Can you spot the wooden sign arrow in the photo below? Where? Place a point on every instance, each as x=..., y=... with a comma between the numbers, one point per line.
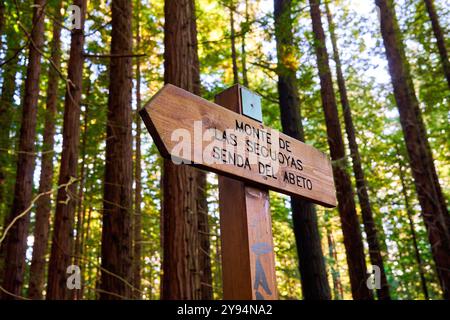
x=191, y=130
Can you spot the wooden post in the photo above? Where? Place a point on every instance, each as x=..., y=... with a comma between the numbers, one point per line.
x=248, y=259
x=246, y=228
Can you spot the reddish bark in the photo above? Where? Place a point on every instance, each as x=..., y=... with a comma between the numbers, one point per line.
x=2, y=19
x=180, y=217
x=232, y=8
x=137, y=224
x=43, y=206
x=346, y=203
x=16, y=240
x=409, y=213
x=62, y=239
x=361, y=185
x=81, y=207
x=6, y=160
x=311, y=263
x=204, y=257
x=117, y=234
x=434, y=208
x=6, y=114
x=245, y=27
x=439, y=35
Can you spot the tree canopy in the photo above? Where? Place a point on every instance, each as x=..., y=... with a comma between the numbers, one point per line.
x=89, y=179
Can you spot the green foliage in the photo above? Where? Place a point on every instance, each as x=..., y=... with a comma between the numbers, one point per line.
x=374, y=114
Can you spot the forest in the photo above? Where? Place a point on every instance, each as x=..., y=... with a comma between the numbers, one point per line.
x=90, y=210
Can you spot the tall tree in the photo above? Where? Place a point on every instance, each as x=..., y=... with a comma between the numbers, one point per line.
x=181, y=268
x=245, y=28
x=204, y=257
x=361, y=185
x=431, y=199
x=204, y=254
x=346, y=202
x=137, y=221
x=232, y=8
x=16, y=239
x=43, y=205
x=439, y=34
x=10, y=71
x=9, y=75
x=2, y=20
x=62, y=239
x=409, y=213
x=81, y=206
x=338, y=291
x=311, y=262
x=117, y=236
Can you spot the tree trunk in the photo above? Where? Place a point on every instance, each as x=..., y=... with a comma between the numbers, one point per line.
x=437, y=30
x=233, y=43
x=6, y=114
x=218, y=261
x=361, y=185
x=244, y=30
x=434, y=209
x=137, y=224
x=204, y=256
x=86, y=263
x=6, y=160
x=16, y=240
x=2, y=20
x=43, y=205
x=346, y=203
x=311, y=263
x=338, y=292
x=204, y=240
x=117, y=205
x=78, y=250
x=409, y=212
x=181, y=244
x=62, y=239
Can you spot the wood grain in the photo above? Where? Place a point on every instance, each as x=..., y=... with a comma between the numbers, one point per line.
x=248, y=260
x=302, y=170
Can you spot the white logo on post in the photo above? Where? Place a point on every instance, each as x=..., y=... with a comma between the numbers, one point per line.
x=374, y=280
x=74, y=17
x=74, y=280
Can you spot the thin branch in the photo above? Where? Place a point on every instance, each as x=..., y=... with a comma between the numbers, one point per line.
x=71, y=181
x=112, y=56
x=24, y=213
x=265, y=66
x=98, y=29
x=16, y=53
x=27, y=152
x=13, y=294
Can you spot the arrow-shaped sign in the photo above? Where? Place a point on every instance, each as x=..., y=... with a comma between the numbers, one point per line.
x=191, y=130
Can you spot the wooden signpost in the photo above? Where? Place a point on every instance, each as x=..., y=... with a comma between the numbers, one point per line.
x=195, y=131
x=248, y=260
x=229, y=138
